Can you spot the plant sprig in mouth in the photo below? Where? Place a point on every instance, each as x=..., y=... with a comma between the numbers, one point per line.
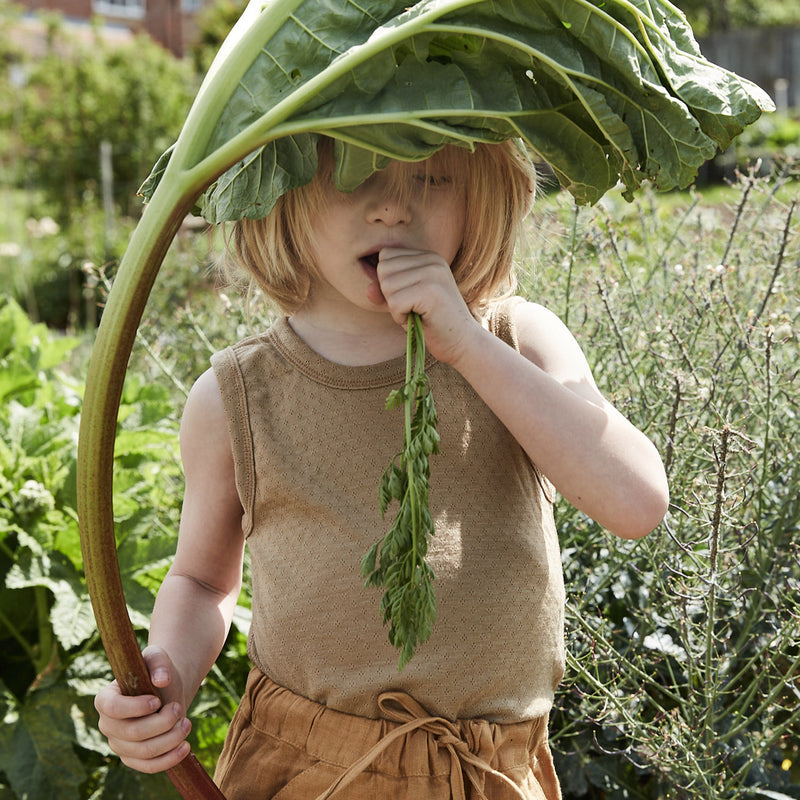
x=398, y=561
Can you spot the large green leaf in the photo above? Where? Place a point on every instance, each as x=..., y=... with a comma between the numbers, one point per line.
x=602, y=91
x=71, y=612
x=37, y=751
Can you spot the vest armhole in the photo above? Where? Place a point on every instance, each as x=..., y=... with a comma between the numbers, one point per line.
x=501, y=320
x=234, y=399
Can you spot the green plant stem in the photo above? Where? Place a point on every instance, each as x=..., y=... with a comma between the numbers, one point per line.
x=19, y=638
x=104, y=385
x=710, y=679
x=643, y=675
x=779, y=262
x=622, y=708
x=766, y=446
x=416, y=339
x=623, y=348
x=571, y=265
x=661, y=261
x=197, y=328
x=45, y=630
x=161, y=364
x=748, y=186
x=623, y=265
x=672, y=426
x=766, y=702
x=408, y=406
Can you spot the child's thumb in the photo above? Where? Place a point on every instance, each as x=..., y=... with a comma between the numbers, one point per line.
x=160, y=666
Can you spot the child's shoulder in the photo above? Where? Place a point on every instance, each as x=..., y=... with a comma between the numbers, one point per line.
x=204, y=408
x=545, y=340
x=528, y=319
x=534, y=318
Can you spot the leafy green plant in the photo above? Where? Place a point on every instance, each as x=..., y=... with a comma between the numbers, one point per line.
x=776, y=136
x=708, y=18
x=75, y=96
x=214, y=23
x=397, y=561
x=51, y=661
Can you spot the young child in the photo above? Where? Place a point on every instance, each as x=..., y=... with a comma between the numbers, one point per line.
x=284, y=442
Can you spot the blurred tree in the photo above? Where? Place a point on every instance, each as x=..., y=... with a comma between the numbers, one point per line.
x=214, y=23
x=725, y=15
x=64, y=103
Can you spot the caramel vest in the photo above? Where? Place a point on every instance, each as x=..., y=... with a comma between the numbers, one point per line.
x=311, y=440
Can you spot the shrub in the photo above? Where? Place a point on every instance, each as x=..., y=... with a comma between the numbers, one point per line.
x=684, y=648
x=66, y=103
x=51, y=662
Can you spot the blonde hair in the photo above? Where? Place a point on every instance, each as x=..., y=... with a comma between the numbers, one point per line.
x=500, y=181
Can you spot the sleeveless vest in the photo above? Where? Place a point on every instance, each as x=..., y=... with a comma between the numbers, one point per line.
x=311, y=439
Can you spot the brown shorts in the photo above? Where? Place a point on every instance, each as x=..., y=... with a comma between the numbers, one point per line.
x=285, y=747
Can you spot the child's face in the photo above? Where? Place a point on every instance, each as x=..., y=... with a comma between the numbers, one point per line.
x=411, y=206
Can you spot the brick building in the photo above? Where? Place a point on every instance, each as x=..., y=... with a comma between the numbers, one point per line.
x=170, y=22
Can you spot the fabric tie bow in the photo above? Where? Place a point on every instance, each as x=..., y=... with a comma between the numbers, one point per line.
x=402, y=708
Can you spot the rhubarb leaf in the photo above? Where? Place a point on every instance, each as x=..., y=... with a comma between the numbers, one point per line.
x=602, y=92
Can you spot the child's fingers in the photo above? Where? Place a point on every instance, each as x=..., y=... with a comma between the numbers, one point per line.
x=157, y=753
x=160, y=666
x=140, y=727
x=112, y=704
x=413, y=281
x=148, y=739
x=160, y=764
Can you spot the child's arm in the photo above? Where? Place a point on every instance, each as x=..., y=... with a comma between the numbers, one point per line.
x=547, y=398
x=545, y=395
x=195, y=603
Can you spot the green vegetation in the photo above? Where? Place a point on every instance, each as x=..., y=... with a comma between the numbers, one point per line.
x=80, y=127
x=397, y=562
x=51, y=661
x=61, y=107
x=683, y=648
x=725, y=15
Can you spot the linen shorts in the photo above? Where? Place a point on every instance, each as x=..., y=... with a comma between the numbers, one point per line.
x=281, y=746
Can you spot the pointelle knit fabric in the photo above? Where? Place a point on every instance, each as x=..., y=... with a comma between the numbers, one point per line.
x=310, y=441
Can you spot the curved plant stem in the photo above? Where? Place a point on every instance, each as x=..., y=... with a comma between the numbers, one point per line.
x=112, y=349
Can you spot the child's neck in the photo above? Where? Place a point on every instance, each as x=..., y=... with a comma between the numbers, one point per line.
x=354, y=342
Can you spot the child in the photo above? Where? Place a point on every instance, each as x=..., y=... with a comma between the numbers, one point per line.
x=284, y=442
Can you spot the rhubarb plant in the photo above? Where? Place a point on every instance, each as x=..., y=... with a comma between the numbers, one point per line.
x=604, y=92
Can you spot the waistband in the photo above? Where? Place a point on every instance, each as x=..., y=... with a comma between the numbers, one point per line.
x=406, y=742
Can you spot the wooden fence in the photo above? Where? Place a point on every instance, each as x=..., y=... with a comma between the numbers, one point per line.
x=769, y=57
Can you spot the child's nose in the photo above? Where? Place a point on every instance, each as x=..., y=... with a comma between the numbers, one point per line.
x=389, y=209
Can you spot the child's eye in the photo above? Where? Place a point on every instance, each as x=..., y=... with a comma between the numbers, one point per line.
x=433, y=181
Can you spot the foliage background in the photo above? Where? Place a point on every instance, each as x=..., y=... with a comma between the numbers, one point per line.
x=683, y=648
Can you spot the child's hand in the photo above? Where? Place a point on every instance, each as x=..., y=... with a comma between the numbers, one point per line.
x=422, y=281
x=148, y=733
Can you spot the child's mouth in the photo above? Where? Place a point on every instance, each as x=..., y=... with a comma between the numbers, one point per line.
x=371, y=260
